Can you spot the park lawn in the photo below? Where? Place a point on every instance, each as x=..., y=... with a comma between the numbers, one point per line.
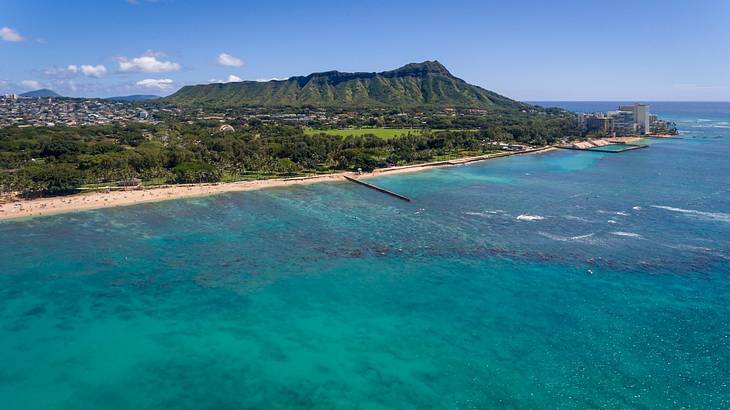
x=385, y=133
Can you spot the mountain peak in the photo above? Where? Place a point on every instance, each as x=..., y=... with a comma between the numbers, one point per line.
x=408, y=70
x=417, y=69
x=42, y=93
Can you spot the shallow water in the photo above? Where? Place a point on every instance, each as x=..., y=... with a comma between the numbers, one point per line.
x=569, y=279
x=613, y=147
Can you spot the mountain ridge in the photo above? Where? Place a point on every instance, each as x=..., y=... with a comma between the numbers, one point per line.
x=134, y=97
x=426, y=84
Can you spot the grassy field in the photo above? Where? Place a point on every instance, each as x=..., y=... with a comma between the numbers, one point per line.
x=385, y=133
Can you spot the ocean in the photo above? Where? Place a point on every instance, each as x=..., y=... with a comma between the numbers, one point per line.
x=559, y=280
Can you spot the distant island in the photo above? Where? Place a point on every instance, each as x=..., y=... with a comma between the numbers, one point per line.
x=47, y=93
x=135, y=97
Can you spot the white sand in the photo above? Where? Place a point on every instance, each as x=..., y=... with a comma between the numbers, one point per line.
x=22, y=208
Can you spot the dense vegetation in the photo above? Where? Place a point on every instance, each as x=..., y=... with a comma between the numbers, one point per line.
x=57, y=160
x=427, y=84
x=268, y=138
x=384, y=133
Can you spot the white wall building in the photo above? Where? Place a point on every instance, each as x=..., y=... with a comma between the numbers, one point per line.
x=641, y=116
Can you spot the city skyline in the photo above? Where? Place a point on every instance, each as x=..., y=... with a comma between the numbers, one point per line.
x=527, y=51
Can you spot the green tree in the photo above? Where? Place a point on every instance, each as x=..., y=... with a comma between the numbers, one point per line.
x=59, y=146
x=192, y=172
x=52, y=178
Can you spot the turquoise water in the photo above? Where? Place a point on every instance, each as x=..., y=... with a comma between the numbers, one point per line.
x=560, y=280
x=613, y=147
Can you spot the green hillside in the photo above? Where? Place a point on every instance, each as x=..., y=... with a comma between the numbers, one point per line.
x=427, y=84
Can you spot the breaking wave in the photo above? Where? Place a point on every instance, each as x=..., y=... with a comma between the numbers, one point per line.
x=576, y=218
x=565, y=238
x=525, y=217
x=486, y=213
x=627, y=234
x=614, y=213
x=712, y=216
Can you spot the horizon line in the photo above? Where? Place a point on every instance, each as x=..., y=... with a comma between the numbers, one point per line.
x=628, y=100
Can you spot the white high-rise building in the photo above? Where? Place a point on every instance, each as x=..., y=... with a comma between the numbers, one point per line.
x=642, y=117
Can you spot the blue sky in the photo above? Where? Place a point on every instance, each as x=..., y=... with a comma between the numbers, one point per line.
x=529, y=50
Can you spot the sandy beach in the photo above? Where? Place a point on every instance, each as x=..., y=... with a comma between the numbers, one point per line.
x=24, y=208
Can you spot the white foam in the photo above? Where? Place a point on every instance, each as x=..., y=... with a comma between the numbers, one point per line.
x=712, y=216
x=626, y=234
x=636, y=208
x=576, y=218
x=486, y=213
x=611, y=221
x=561, y=238
x=483, y=214
x=613, y=213
x=718, y=125
x=683, y=247
x=525, y=217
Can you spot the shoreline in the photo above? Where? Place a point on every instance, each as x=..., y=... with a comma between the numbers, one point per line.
x=38, y=207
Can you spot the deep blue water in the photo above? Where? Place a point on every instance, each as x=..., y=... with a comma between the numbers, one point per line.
x=669, y=110
x=560, y=280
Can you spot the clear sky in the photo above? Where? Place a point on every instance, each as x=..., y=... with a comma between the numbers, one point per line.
x=528, y=50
